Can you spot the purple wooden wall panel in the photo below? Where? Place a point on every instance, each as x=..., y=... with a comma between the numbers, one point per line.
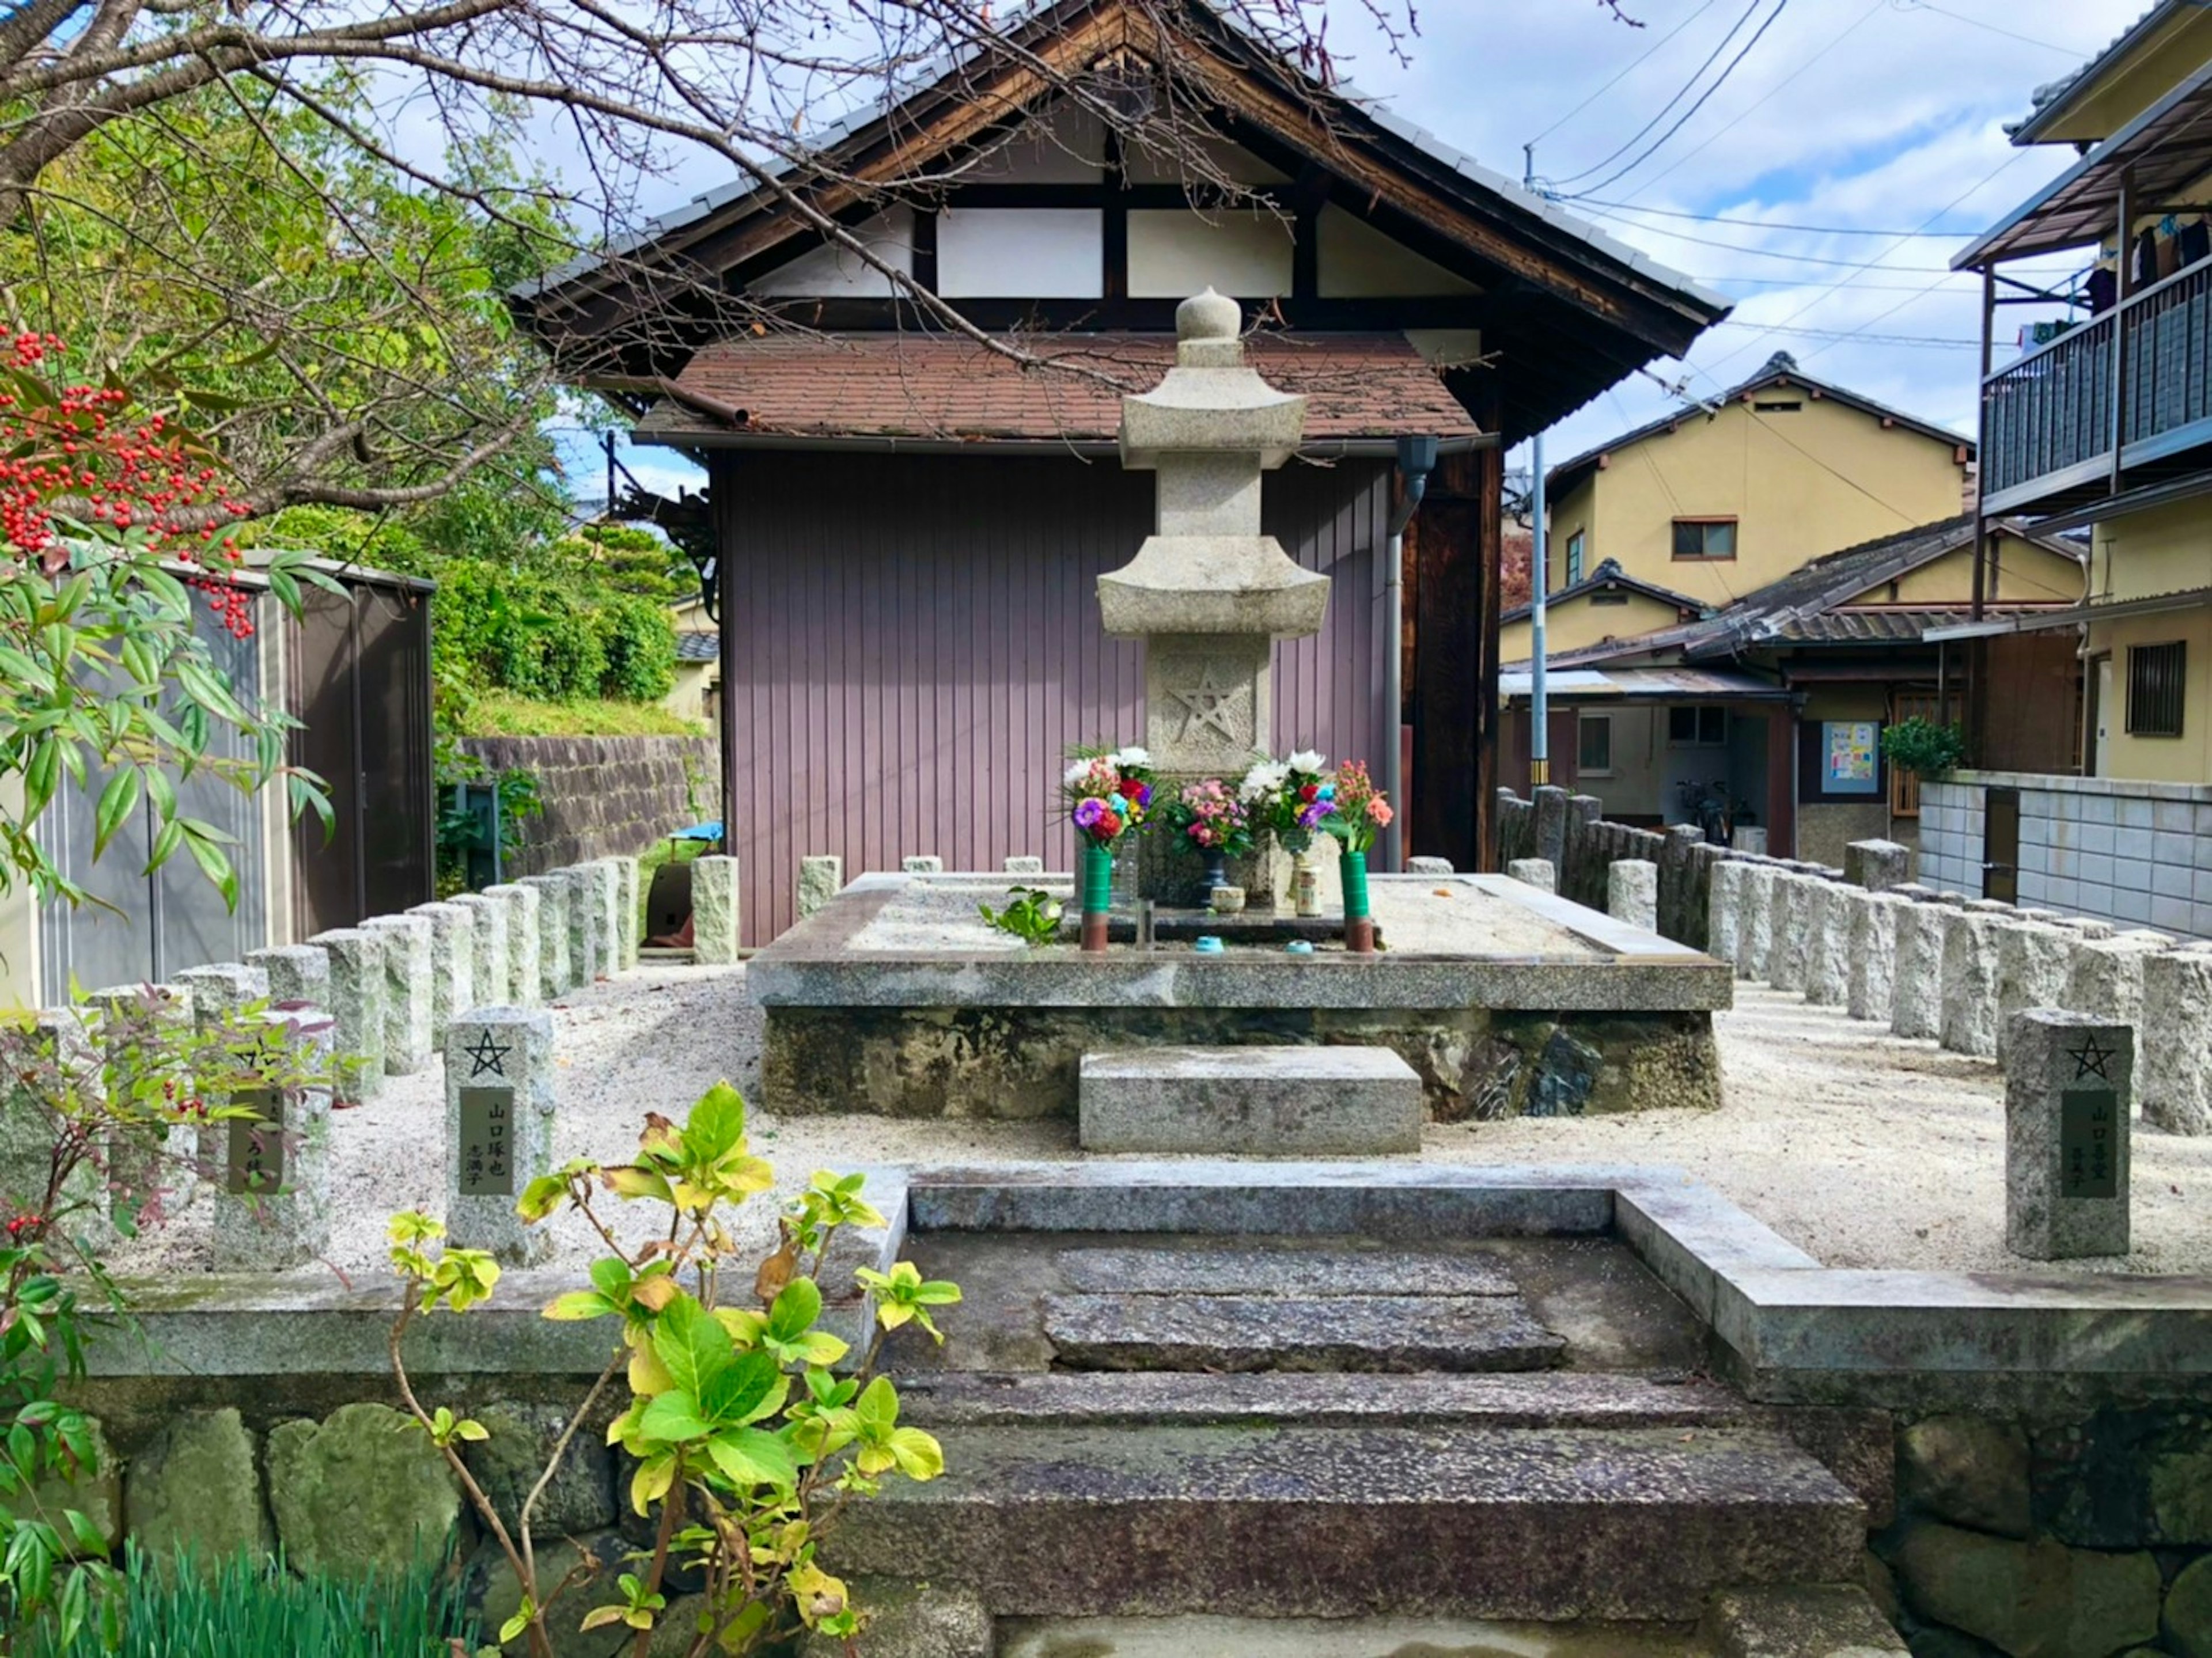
x=918, y=644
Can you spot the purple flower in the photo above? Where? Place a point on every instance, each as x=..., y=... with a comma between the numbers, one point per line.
x=1088, y=811
x=1310, y=816
x=1144, y=795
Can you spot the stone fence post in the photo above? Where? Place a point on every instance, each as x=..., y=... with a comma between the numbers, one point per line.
x=2068, y=1081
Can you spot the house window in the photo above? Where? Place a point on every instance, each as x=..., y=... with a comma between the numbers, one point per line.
x=1594, y=753
x=1608, y=596
x=1693, y=725
x=1705, y=538
x=2158, y=676
x=1790, y=408
x=1574, y=558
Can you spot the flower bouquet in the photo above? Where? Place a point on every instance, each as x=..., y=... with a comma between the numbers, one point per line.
x=1293, y=798
x=1360, y=813
x=1208, y=817
x=1112, y=793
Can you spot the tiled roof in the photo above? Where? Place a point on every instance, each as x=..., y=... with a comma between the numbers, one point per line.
x=698, y=647
x=1609, y=575
x=941, y=388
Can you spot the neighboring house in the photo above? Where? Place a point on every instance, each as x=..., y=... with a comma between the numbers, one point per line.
x=1776, y=703
x=910, y=527
x=354, y=669
x=697, y=690
x=1714, y=501
x=2108, y=425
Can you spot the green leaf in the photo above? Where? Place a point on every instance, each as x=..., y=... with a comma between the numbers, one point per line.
x=717, y=1123
x=752, y=1457
x=674, y=1417
x=878, y=1406
x=694, y=1348
x=117, y=802
x=738, y=1392
x=795, y=1310
x=578, y=1304
x=613, y=1275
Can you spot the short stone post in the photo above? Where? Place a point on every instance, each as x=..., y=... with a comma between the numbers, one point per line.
x=1537, y=872
x=1429, y=866
x=453, y=964
x=1877, y=866
x=555, y=976
x=628, y=910
x=586, y=923
x=1870, y=990
x=219, y=992
x=1632, y=893
x=1754, y=928
x=298, y=975
x=2176, y=1038
x=1724, y=901
x=273, y=1173
x=138, y=1024
x=922, y=863
x=714, y=911
x=357, y=991
x=1792, y=924
x=2104, y=976
x=1828, y=942
x=525, y=942
x=2034, y=960
x=1024, y=864
x=407, y=997
x=489, y=962
x=499, y=1128
x=1551, y=823
x=2068, y=1081
x=606, y=913
x=820, y=878
x=1916, y=1002
x=1970, y=983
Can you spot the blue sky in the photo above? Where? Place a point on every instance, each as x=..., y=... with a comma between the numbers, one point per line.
x=1854, y=116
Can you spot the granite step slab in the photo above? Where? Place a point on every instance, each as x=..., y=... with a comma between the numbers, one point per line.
x=1321, y=1522
x=1296, y=1333
x=1339, y=1638
x=1278, y=1272
x=1258, y=1101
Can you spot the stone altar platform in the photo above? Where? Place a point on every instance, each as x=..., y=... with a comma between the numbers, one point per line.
x=898, y=998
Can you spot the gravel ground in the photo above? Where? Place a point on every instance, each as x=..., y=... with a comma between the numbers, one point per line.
x=1862, y=1149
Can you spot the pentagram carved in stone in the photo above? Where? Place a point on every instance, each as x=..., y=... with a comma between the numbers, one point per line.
x=1212, y=705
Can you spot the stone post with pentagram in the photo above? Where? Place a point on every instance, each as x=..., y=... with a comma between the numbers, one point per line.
x=1207, y=593
x=499, y=1128
x=2069, y=1085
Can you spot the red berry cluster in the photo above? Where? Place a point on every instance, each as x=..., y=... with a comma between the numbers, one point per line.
x=23, y=1224
x=78, y=449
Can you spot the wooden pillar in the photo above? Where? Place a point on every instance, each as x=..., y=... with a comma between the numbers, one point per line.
x=1453, y=590
x=1781, y=780
x=723, y=487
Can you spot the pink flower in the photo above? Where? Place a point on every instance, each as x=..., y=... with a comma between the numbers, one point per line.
x=1379, y=810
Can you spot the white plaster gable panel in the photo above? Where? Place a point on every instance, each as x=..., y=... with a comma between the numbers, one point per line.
x=1174, y=252
x=1179, y=162
x=833, y=272
x=1067, y=146
x=1359, y=262
x=1031, y=253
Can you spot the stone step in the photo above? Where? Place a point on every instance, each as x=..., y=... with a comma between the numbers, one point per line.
x=1337, y=1637
x=1229, y=1270
x=1261, y=1521
x=1250, y=1102
x=1541, y=1399
x=1296, y=1333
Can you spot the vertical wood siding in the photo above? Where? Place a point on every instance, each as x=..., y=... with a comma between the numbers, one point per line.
x=918, y=644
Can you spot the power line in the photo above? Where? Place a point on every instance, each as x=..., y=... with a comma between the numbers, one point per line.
x=1837, y=335
x=1696, y=75
x=1638, y=62
x=1976, y=22
x=1771, y=224
x=1657, y=144
x=1771, y=253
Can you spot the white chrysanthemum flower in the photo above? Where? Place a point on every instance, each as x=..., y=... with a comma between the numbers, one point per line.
x=1131, y=756
x=1265, y=778
x=1306, y=760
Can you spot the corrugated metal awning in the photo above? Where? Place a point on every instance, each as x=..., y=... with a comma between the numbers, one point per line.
x=1668, y=684
x=2075, y=616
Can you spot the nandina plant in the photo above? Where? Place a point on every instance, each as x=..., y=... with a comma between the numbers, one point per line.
x=122, y=1098
x=112, y=518
x=752, y=1426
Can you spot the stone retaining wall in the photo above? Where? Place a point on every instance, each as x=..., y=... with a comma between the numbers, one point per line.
x=1582, y=848
x=606, y=796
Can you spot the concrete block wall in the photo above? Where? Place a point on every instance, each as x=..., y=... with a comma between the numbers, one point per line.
x=2134, y=853
x=606, y=796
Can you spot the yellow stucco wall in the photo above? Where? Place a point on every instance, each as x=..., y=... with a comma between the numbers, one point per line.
x=1799, y=484
x=2137, y=557
x=2025, y=574
x=2177, y=51
x=1578, y=623
x=2166, y=551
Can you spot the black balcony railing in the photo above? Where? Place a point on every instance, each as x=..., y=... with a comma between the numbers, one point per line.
x=2047, y=419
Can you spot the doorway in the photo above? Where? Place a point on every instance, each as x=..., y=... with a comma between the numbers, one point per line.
x=2099, y=717
x=2001, y=845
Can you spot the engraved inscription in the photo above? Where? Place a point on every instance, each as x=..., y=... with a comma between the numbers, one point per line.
x=487, y=1147
x=257, y=1148
x=2088, y=1123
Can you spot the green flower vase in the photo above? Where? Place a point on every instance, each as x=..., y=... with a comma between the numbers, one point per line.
x=1094, y=887
x=1359, y=921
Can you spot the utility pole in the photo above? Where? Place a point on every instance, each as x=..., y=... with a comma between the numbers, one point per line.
x=1540, y=700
